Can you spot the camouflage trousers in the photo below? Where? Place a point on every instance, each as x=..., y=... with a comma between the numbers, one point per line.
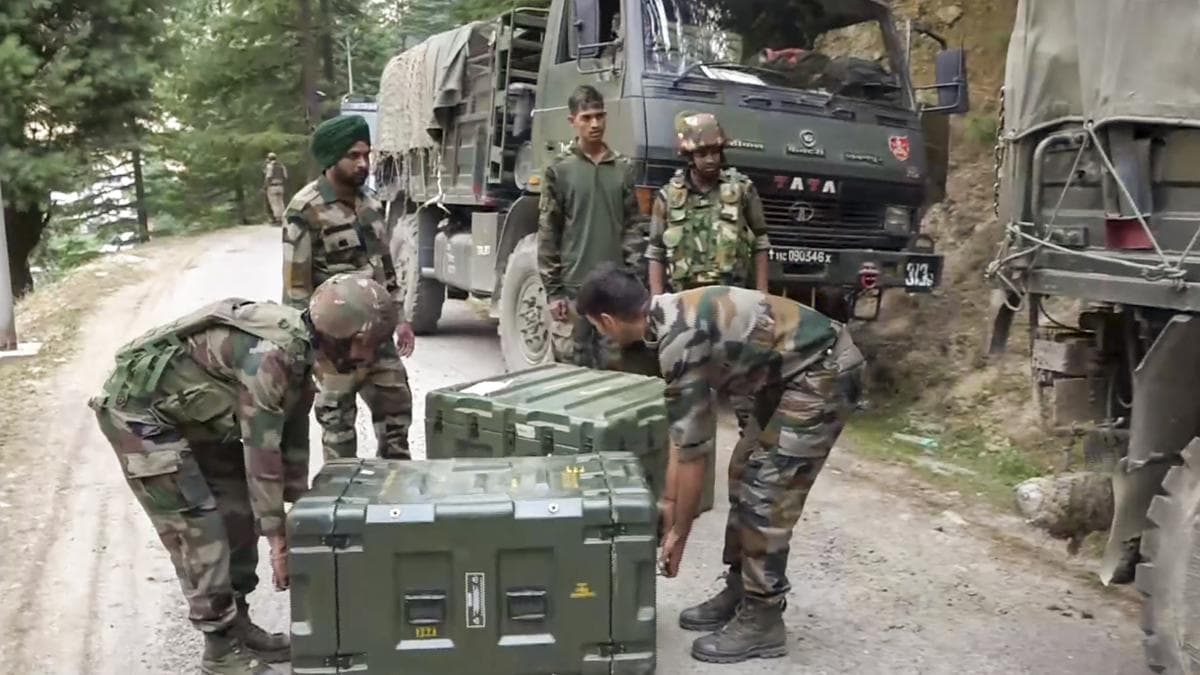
x=197, y=499
x=576, y=341
x=773, y=469
x=277, y=203
x=383, y=386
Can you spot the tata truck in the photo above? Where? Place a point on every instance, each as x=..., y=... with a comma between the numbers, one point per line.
x=815, y=95
x=1100, y=198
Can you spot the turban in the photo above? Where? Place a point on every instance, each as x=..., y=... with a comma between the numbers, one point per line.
x=334, y=138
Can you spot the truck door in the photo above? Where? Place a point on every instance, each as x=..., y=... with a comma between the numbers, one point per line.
x=584, y=49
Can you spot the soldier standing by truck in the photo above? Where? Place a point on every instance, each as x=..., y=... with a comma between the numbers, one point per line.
x=274, y=178
x=804, y=374
x=589, y=215
x=208, y=416
x=706, y=226
x=333, y=225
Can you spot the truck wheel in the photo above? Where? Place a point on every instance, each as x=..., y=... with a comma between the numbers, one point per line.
x=423, y=297
x=524, y=335
x=1169, y=576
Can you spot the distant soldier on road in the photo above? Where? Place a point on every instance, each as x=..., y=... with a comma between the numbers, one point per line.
x=333, y=225
x=804, y=374
x=274, y=182
x=589, y=215
x=707, y=225
x=208, y=416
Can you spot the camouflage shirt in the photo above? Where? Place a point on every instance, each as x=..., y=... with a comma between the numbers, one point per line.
x=274, y=173
x=324, y=236
x=732, y=340
x=707, y=238
x=589, y=215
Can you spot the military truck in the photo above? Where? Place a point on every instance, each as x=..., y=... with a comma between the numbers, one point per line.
x=816, y=96
x=1099, y=192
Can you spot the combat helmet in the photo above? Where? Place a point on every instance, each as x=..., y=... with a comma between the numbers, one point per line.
x=270, y=155
x=348, y=305
x=698, y=130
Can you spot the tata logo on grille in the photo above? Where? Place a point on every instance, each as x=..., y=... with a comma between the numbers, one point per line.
x=802, y=184
x=802, y=212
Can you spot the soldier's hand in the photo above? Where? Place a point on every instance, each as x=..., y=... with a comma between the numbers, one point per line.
x=672, y=553
x=559, y=309
x=406, y=341
x=279, y=562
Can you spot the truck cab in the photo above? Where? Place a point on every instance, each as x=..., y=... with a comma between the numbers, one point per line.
x=815, y=95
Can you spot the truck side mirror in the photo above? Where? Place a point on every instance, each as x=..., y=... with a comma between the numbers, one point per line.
x=950, y=69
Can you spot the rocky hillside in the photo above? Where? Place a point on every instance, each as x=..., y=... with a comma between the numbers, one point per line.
x=928, y=366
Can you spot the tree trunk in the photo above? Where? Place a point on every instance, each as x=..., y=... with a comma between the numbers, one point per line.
x=239, y=197
x=24, y=228
x=139, y=188
x=308, y=74
x=325, y=31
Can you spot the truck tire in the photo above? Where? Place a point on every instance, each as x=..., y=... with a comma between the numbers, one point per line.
x=524, y=335
x=423, y=297
x=1169, y=576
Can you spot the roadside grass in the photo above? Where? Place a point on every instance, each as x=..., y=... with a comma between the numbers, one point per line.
x=959, y=457
x=52, y=315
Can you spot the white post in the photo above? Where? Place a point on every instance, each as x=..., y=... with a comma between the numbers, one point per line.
x=349, y=68
x=8, y=325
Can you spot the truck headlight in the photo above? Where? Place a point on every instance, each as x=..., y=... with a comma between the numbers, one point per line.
x=897, y=219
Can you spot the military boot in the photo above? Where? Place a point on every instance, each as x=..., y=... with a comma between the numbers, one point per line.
x=270, y=647
x=756, y=631
x=224, y=654
x=717, y=610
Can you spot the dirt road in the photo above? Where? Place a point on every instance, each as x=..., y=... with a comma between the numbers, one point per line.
x=889, y=576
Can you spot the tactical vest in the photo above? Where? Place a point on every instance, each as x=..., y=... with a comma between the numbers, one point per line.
x=707, y=242
x=153, y=371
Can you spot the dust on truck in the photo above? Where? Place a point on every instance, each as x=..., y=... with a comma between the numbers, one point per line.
x=1100, y=195
x=815, y=95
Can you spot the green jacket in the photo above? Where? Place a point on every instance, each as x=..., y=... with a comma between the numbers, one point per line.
x=589, y=215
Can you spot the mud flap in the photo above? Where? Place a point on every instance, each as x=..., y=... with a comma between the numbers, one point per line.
x=1165, y=408
x=1133, y=489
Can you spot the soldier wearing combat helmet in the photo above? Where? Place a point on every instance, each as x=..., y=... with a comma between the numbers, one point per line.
x=707, y=224
x=208, y=416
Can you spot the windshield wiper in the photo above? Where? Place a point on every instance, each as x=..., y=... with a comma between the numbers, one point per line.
x=719, y=64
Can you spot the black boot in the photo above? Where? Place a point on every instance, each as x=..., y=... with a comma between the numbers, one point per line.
x=756, y=631
x=270, y=647
x=224, y=654
x=717, y=610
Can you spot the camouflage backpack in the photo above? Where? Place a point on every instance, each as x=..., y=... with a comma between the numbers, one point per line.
x=184, y=393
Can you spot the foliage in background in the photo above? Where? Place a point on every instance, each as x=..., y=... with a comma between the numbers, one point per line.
x=76, y=81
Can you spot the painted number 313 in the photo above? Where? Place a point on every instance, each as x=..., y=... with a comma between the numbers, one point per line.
x=918, y=275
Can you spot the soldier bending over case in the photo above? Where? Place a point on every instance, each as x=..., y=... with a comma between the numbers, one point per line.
x=208, y=416
x=804, y=374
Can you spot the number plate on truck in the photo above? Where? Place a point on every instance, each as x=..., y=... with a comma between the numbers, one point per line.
x=800, y=256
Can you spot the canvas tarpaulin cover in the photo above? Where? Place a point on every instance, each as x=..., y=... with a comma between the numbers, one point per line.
x=421, y=86
x=1102, y=60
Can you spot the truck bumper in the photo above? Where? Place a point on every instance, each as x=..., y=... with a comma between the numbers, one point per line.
x=914, y=271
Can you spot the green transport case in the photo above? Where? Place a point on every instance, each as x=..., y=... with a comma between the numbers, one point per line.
x=507, y=566
x=555, y=409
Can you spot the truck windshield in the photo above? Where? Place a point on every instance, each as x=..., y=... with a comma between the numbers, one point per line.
x=837, y=47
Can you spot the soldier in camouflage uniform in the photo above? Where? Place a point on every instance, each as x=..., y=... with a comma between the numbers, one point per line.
x=706, y=226
x=274, y=179
x=589, y=215
x=804, y=374
x=208, y=416
x=332, y=225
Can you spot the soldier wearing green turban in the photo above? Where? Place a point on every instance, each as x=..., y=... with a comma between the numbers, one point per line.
x=334, y=225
